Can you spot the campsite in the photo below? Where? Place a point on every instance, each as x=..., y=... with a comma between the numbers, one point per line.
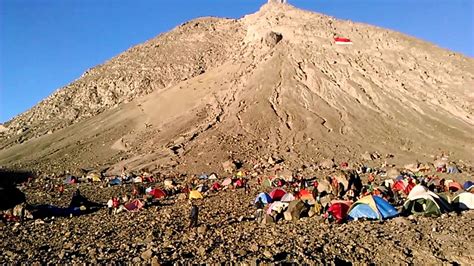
x=151, y=224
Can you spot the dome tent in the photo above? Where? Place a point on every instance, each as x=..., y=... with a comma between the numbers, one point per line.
x=276, y=194
x=464, y=201
x=421, y=201
x=373, y=208
x=264, y=197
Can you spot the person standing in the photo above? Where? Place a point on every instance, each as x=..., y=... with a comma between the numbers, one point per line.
x=247, y=187
x=193, y=215
x=259, y=213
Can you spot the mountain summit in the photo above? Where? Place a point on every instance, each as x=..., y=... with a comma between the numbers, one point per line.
x=271, y=84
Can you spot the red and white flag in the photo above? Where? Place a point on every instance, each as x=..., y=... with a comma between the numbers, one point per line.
x=340, y=40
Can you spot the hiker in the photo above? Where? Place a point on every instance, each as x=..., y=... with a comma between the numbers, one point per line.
x=125, y=198
x=315, y=192
x=135, y=192
x=110, y=205
x=113, y=205
x=246, y=187
x=259, y=213
x=193, y=215
x=77, y=199
x=61, y=190
x=350, y=195
x=21, y=212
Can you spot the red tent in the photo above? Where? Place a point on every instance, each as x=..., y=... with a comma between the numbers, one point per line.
x=277, y=194
x=340, y=40
x=216, y=186
x=339, y=209
x=409, y=187
x=134, y=205
x=400, y=185
x=239, y=183
x=157, y=193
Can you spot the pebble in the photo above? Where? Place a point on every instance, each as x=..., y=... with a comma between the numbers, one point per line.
x=267, y=254
x=254, y=247
x=242, y=253
x=202, y=229
x=147, y=255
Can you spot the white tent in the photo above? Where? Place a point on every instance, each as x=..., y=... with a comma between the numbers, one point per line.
x=464, y=201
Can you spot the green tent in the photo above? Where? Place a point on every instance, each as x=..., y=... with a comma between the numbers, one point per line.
x=266, y=183
x=421, y=201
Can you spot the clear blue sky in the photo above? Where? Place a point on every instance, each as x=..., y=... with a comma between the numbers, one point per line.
x=46, y=44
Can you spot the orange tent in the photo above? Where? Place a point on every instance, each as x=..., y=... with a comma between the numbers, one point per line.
x=305, y=195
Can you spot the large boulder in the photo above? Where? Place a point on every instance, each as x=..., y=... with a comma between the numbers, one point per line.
x=273, y=38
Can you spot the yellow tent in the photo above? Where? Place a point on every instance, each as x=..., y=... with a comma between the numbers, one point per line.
x=194, y=194
x=94, y=177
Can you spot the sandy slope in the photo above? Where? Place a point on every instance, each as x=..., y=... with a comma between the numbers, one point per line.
x=303, y=98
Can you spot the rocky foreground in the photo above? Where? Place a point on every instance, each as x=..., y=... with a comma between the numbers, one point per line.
x=227, y=232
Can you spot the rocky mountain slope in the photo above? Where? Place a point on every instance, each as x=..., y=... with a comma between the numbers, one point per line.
x=271, y=84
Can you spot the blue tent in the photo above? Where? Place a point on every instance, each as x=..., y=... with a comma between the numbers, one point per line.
x=468, y=185
x=265, y=198
x=373, y=208
x=115, y=182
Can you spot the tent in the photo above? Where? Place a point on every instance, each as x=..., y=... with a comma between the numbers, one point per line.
x=464, y=201
x=94, y=177
x=344, y=41
x=288, y=197
x=265, y=198
x=305, y=195
x=239, y=183
x=226, y=182
x=216, y=186
x=440, y=163
x=372, y=207
x=468, y=186
x=115, y=182
x=280, y=182
x=339, y=209
x=194, y=194
x=421, y=201
x=277, y=194
x=138, y=179
x=213, y=176
x=203, y=176
x=453, y=169
x=403, y=185
x=453, y=186
x=202, y=188
x=267, y=183
x=134, y=205
x=295, y=210
x=157, y=193
x=277, y=206
x=70, y=180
